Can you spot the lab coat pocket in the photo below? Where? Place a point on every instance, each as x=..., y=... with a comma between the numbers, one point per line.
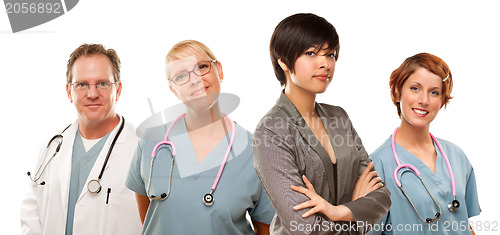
x=105, y=213
x=119, y=213
x=104, y=220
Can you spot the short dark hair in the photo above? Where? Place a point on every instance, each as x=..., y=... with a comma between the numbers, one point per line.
x=297, y=33
x=93, y=49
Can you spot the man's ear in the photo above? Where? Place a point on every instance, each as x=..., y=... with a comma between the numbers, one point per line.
x=68, y=91
x=118, y=91
x=283, y=65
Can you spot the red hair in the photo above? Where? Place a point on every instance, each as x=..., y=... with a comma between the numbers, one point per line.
x=427, y=61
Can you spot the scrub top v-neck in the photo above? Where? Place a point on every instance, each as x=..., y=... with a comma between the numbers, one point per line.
x=183, y=212
x=82, y=162
x=401, y=213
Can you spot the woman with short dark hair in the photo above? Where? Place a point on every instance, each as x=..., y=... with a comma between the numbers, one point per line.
x=309, y=158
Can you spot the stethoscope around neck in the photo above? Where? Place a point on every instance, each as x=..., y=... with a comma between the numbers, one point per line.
x=452, y=206
x=94, y=185
x=208, y=199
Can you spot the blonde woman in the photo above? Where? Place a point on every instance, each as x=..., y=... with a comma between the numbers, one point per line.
x=211, y=184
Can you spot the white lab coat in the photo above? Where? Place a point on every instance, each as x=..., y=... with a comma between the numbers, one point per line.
x=44, y=210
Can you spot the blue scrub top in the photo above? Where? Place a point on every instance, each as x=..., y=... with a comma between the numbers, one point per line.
x=401, y=216
x=183, y=212
x=82, y=163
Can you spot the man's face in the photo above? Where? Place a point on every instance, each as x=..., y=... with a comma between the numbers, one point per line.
x=95, y=104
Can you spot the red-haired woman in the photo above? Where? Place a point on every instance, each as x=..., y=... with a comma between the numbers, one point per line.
x=432, y=183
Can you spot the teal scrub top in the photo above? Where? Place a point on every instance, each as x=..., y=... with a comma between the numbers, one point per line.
x=81, y=165
x=401, y=218
x=183, y=212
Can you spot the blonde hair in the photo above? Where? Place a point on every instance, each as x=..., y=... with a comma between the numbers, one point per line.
x=187, y=48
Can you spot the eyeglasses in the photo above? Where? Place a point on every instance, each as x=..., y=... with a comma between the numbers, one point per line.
x=200, y=69
x=84, y=86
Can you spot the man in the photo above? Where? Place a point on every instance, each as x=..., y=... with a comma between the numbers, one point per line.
x=81, y=189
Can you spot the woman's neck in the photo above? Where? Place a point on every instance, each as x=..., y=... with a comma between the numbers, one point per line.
x=304, y=100
x=410, y=136
x=418, y=142
x=197, y=119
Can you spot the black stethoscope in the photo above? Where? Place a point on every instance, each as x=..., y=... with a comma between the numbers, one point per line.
x=94, y=185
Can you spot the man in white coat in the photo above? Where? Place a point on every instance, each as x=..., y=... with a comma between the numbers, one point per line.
x=81, y=189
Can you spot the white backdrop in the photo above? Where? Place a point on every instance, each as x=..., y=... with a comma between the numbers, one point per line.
x=375, y=38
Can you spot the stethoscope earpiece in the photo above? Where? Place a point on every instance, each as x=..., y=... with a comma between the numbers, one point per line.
x=436, y=217
x=94, y=186
x=41, y=168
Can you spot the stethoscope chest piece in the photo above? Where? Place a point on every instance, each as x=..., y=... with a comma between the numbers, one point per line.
x=208, y=199
x=94, y=186
x=453, y=205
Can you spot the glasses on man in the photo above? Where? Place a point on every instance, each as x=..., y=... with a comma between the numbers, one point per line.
x=200, y=69
x=84, y=86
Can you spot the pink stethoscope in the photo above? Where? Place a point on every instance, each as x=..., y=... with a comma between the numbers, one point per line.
x=452, y=206
x=208, y=199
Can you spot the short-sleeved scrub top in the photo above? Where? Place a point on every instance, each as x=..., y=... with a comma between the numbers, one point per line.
x=183, y=212
x=401, y=218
